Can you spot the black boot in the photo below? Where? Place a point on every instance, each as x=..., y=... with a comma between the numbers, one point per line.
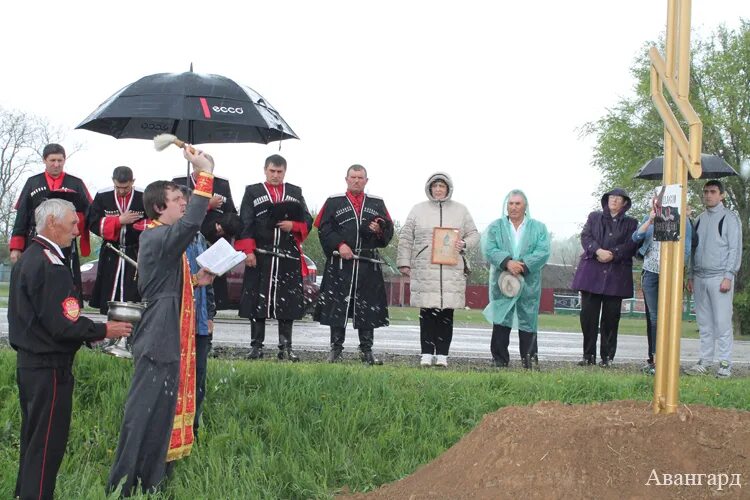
x=255, y=353
x=338, y=334
x=285, y=341
x=369, y=358
x=587, y=361
x=530, y=363
x=334, y=356
x=366, y=338
x=257, y=336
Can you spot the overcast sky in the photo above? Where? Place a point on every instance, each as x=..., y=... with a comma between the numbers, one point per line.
x=491, y=92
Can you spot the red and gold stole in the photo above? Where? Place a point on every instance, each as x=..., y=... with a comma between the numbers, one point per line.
x=181, y=441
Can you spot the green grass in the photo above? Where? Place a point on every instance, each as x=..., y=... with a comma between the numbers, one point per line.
x=547, y=322
x=308, y=430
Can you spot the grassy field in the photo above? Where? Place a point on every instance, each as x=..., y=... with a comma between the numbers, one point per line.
x=308, y=430
x=547, y=322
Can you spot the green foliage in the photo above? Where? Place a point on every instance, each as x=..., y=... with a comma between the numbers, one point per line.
x=742, y=311
x=308, y=430
x=631, y=132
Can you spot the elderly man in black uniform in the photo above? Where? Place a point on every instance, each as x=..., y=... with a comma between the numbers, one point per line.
x=46, y=329
x=275, y=222
x=221, y=221
x=52, y=183
x=352, y=226
x=117, y=216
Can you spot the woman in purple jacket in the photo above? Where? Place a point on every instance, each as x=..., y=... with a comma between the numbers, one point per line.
x=605, y=274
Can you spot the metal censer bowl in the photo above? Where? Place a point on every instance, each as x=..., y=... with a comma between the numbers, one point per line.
x=128, y=312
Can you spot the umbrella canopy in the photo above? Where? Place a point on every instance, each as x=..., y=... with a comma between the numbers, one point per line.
x=198, y=108
x=713, y=167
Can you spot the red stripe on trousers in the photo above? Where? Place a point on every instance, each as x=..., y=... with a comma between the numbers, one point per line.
x=49, y=429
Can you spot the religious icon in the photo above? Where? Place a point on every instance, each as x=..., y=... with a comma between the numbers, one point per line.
x=444, y=246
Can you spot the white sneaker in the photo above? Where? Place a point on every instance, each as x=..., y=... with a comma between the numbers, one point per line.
x=724, y=370
x=697, y=369
x=427, y=360
x=441, y=360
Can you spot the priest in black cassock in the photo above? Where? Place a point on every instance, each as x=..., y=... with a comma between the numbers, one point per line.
x=352, y=226
x=275, y=222
x=52, y=183
x=117, y=216
x=221, y=209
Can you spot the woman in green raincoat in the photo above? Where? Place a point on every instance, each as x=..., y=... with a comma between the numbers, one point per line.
x=517, y=248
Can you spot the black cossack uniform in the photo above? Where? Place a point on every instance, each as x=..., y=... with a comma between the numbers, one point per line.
x=46, y=329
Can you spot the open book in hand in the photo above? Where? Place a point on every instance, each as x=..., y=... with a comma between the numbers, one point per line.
x=220, y=257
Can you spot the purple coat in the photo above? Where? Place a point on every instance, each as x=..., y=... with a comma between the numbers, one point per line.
x=614, y=278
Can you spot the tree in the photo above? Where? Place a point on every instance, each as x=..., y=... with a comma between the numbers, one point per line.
x=22, y=139
x=631, y=132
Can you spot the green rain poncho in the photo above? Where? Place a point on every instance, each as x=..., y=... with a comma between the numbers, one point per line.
x=498, y=245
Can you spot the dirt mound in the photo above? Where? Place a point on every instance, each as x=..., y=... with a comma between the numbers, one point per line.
x=612, y=450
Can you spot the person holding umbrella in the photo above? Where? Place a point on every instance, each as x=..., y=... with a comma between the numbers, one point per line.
x=220, y=209
x=275, y=222
x=605, y=274
x=649, y=250
x=517, y=247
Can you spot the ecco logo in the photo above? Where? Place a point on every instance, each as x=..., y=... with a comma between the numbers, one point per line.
x=223, y=109
x=153, y=126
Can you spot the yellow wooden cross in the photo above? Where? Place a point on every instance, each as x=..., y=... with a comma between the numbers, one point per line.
x=681, y=155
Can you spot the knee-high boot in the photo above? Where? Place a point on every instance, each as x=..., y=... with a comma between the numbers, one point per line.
x=285, y=341
x=366, y=339
x=257, y=336
x=338, y=334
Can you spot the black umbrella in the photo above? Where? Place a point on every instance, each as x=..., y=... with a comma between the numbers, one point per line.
x=198, y=108
x=713, y=167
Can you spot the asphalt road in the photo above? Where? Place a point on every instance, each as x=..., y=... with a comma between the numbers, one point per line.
x=404, y=340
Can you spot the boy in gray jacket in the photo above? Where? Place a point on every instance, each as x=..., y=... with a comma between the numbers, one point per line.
x=715, y=264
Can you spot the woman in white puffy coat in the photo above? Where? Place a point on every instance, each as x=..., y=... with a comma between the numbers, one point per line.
x=437, y=289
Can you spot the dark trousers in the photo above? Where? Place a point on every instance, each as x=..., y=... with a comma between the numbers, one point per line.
x=258, y=332
x=202, y=348
x=46, y=397
x=338, y=335
x=527, y=344
x=435, y=330
x=594, y=306
x=146, y=428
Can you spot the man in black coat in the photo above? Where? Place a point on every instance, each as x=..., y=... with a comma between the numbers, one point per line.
x=221, y=221
x=118, y=217
x=352, y=226
x=46, y=329
x=275, y=222
x=52, y=183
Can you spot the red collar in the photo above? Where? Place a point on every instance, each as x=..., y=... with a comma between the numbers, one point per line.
x=52, y=183
x=276, y=192
x=357, y=200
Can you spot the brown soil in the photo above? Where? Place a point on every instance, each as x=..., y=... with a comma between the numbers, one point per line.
x=552, y=450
